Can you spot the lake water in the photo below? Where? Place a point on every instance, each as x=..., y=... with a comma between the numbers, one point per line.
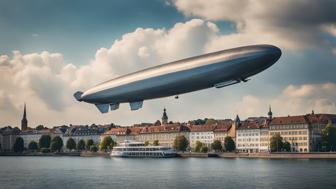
x=98, y=172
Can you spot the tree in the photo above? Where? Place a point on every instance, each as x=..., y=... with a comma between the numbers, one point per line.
x=217, y=146
x=89, y=143
x=276, y=143
x=40, y=127
x=329, y=137
x=181, y=143
x=71, y=144
x=18, y=145
x=81, y=145
x=146, y=143
x=229, y=144
x=93, y=148
x=286, y=146
x=198, y=146
x=44, y=141
x=56, y=144
x=107, y=143
x=156, y=143
x=204, y=149
x=33, y=146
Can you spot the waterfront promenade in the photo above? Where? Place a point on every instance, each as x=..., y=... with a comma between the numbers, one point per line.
x=282, y=155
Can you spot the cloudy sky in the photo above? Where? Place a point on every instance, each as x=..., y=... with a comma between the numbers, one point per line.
x=50, y=49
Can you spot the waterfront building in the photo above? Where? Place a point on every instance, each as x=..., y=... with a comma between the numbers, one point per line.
x=119, y=134
x=202, y=133
x=79, y=132
x=303, y=132
x=165, y=134
x=252, y=135
x=223, y=129
x=8, y=137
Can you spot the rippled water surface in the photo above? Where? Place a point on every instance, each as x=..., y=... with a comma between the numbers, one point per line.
x=97, y=172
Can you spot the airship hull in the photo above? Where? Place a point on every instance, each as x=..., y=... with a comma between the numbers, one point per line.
x=217, y=69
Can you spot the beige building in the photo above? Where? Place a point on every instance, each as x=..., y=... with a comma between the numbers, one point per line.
x=165, y=134
x=303, y=132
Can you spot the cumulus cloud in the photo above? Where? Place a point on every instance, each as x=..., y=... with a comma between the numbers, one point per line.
x=286, y=23
x=294, y=100
x=45, y=80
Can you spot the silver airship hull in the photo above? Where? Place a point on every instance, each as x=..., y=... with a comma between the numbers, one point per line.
x=218, y=69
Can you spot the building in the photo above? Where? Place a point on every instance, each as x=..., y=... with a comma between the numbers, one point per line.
x=24, y=121
x=202, y=133
x=252, y=135
x=8, y=137
x=303, y=132
x=165, y=134
x=222, y=130
x=79, y=132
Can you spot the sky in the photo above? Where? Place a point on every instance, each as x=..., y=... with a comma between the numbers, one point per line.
x=50, y=49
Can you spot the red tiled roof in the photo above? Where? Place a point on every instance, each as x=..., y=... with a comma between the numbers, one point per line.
x=300, y=119
x=175, y=127
x=202, y=128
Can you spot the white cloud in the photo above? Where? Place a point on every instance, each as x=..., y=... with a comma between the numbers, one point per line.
x=279, y=22
x=294, y=100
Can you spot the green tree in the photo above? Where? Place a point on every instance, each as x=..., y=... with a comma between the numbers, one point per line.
x=71, y=144
x=156, y=143
x=276, y=143
x=18, y=145
x=286, y=146
x=93, y=148
x=44, y=141
x=81, y=145
x=198, y=146
x=146, y=143
x=181, y=143
x=204, y=149
x=89, y=143
x=329, y=137
x=217, y=146
x=33, y=146
x=40, y=127
x=56, y=144
x=107, y=144
x=229, y=144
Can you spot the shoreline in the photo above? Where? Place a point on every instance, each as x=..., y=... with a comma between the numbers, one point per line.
x=278, y=155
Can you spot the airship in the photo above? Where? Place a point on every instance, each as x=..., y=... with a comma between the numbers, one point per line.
x=216, y=69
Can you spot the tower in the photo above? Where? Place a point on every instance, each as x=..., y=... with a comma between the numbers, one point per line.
x=164, y=117
x=24, y=121
x=237, y=121
x=270, y=114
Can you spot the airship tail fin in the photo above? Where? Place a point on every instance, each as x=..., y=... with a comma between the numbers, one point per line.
x=103, y=108
x=78, y=95
x=136, y=105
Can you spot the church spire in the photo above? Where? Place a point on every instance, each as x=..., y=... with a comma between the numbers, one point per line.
x=270, y=114
x=164, y=117
x=24, y=121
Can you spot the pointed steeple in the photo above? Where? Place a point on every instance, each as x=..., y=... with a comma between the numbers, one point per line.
x=270, y=114
x=24, y=121
x=237, y=121
x=164, y=117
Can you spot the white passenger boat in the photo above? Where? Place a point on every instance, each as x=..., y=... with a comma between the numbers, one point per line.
x=140, y=150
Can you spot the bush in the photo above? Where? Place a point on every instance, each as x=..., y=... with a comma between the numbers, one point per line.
x=93, y=148
x=45, y=141
x=81, y=145
x=45, y=150
x=56, y=144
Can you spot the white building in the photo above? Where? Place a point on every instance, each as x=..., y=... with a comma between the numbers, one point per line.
x=251, y=135
x=202, y=133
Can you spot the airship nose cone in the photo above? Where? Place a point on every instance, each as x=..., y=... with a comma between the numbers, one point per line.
x=272, y=53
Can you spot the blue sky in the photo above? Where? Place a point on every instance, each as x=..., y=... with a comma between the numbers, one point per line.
x=63, y=46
